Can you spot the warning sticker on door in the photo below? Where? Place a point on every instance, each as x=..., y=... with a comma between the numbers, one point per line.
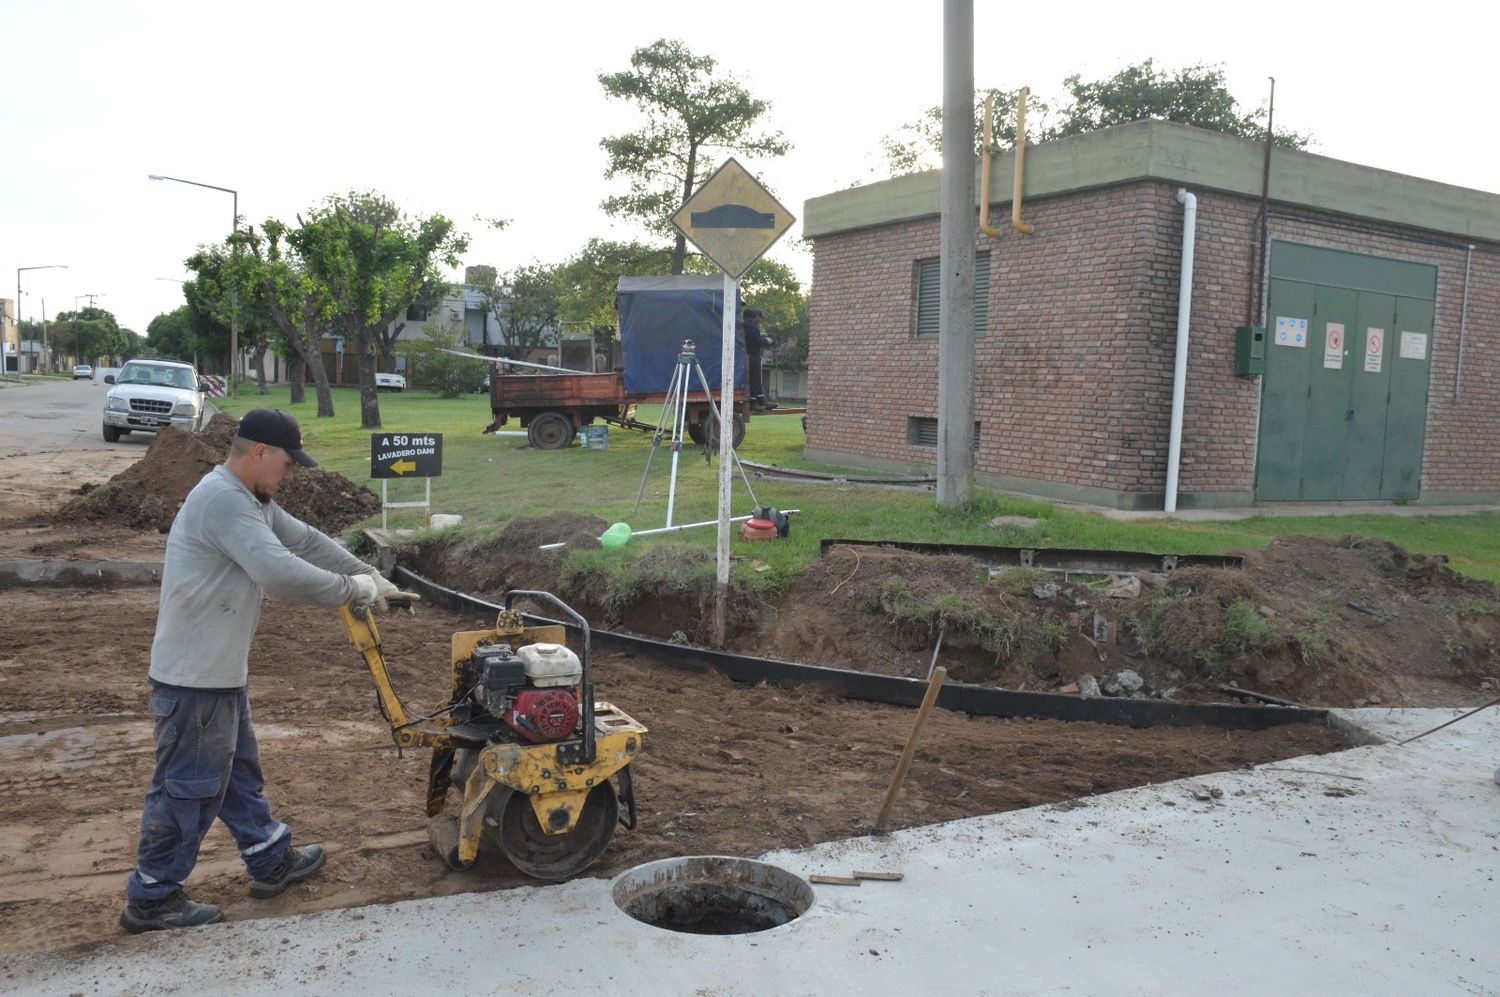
x=1414, y=346
x=1374, y=350
x=1291, y=331
x=1333, y=346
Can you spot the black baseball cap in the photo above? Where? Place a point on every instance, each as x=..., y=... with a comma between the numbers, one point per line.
x=274, y=429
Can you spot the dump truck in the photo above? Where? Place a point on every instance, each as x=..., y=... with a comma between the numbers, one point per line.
x=657, y=316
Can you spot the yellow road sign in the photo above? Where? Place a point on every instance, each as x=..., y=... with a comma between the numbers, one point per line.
x=732, y=219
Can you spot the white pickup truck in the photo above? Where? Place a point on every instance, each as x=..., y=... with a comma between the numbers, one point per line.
x=147, y=395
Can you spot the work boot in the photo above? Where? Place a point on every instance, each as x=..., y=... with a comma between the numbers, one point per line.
x=297, y=864
x=175, y=911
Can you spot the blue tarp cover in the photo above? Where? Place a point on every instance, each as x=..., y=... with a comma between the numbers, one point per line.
x=656, y=315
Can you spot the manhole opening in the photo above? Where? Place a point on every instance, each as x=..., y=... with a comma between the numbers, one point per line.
x=712, y=895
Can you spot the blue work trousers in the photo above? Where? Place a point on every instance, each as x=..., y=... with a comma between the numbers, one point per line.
x=207, y=766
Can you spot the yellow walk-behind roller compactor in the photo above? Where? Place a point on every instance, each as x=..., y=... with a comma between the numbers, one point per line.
x=522, y=739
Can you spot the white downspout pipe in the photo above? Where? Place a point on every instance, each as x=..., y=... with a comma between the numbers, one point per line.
x=1179, y=368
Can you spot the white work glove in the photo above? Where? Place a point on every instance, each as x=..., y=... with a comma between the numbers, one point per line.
x=366, y=592
x=384, y=587
x=385, y=590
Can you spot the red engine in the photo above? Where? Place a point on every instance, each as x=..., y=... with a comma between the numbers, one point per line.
x=543, y=714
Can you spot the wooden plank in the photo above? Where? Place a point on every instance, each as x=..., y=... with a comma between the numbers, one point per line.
x=888, y=877
x=833, y=880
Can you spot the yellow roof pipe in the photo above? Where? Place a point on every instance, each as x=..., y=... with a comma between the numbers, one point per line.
x=1015, y=201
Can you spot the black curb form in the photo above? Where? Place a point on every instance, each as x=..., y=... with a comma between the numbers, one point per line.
x=897, y=691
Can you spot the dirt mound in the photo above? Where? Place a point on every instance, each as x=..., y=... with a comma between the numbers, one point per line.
x=881, y=609
x=219, y=433
x=512, y=559
x=1352, y=621
x=147, y=495
x=1328, y=623
x=327, y=501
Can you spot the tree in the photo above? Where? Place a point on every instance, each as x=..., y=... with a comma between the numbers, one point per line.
x=212, y=293
x=173, y=334
x=587, y=282
x=90, y=333
x=209, y=304
x=691, y=109
x=370, y=261
x=775, y=290
x=525, y=303
x=918, y=145
x=297, y=305
x=429, y=367
x=1194, y=96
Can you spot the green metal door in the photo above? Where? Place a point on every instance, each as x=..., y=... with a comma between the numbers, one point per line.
x=1283, y=401
x=1348, y=358
x=1327, y=425
x=1406, y=416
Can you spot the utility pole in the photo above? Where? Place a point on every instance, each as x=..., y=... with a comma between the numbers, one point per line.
x=19, y=271
x=234, y=293
x=955, y=470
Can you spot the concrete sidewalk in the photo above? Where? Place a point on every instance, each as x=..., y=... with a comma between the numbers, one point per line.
x=1370, y=871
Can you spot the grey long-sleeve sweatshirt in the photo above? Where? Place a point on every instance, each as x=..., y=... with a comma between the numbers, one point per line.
x=225, y=551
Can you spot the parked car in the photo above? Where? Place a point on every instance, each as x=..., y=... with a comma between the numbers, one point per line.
x=390, y=382
x=83, y=370
x=148, y=395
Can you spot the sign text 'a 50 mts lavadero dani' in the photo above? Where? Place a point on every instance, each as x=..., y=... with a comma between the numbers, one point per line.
x=406, y=455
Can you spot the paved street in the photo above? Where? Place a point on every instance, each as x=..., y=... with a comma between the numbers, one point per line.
x=51, y=415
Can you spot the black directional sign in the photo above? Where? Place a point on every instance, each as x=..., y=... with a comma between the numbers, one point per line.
x=406, y=455
x=732, y=219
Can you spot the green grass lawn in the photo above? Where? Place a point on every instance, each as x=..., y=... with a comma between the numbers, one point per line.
x=490, y=480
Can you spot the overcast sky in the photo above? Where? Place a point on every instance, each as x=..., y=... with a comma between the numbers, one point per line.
x=494, y=109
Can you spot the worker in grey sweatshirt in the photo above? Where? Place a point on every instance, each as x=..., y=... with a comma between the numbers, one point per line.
x=229, y=545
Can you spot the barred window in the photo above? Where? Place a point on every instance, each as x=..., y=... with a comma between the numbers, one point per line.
x=922, y=431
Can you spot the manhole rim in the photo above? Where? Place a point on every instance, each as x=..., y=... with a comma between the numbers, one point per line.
x=793, y=891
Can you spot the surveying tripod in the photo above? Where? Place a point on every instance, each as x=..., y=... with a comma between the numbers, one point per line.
x=677, y=404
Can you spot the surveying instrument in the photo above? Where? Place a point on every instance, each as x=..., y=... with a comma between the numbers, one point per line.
x=676, y=403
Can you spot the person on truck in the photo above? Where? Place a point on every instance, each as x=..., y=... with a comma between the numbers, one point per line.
x=229, y=545
x=755, y=342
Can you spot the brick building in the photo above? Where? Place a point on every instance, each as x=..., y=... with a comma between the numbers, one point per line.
x=1379, y=296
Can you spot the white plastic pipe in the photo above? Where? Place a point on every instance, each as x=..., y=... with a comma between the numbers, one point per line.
x=673, y=529
x=1179, y=368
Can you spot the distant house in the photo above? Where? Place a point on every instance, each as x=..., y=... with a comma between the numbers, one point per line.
x=465, y=306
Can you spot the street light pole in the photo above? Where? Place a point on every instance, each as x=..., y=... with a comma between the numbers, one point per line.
x=234, y=294
x=47, y=266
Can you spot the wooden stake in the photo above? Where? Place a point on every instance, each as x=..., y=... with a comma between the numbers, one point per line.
x=939, y=674
x=833, y=880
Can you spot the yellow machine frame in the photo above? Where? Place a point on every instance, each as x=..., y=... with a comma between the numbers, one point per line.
x=556, y=790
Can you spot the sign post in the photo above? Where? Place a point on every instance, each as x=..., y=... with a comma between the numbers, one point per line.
x=733, y=220
x=406, y=455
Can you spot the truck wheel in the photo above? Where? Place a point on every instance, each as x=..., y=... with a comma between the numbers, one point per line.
x=111, y=434
x=711, y=425
x=550, y=431
x=695, y=431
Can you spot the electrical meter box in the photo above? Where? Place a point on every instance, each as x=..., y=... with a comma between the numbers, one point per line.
x=1249, y=350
